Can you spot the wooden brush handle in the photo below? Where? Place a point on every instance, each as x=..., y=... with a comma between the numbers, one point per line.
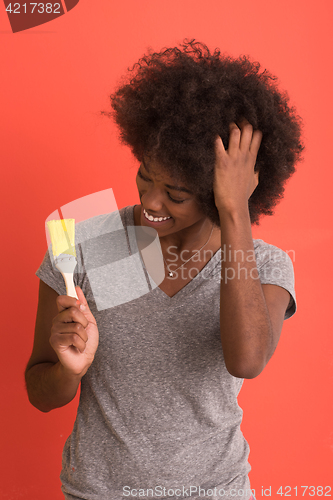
x=70, y=287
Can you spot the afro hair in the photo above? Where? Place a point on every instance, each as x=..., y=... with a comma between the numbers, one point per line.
x=174, y=103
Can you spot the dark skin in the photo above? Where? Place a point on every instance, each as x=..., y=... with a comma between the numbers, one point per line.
x=186, y=231
x=251, y=314
x=66, y=335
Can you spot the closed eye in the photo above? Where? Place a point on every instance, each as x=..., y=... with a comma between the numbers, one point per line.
x=175, y=201
x=148, y=180
x=142, y=177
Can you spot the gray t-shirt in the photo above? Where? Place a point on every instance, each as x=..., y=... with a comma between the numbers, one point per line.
x=158, y=415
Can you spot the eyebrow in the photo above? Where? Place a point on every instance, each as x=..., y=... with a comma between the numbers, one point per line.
x=175, y=188
x=178, y=188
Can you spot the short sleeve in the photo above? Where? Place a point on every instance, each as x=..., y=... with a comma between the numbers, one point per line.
x=51, y=276
x=275, y=267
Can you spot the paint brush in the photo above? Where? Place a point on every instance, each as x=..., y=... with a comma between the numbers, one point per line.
x=62, y=233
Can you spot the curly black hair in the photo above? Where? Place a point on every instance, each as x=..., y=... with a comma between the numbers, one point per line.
x=175, y=103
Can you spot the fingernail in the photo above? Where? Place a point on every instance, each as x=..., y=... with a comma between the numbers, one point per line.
x=82, y=307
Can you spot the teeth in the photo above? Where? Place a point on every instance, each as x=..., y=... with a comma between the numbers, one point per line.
x=154, y=219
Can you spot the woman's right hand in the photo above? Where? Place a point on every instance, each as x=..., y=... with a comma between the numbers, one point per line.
x=74, y=334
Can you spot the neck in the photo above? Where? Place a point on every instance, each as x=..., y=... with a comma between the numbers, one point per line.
x=191, y=238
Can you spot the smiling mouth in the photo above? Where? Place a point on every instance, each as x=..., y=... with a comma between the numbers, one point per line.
x=154, y=219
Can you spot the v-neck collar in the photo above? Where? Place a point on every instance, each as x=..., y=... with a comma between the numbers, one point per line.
x=204, y=274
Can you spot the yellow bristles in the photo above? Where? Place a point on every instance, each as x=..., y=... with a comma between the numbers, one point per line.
x=62, y=234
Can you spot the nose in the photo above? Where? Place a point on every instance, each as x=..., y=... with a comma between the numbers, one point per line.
x=152, y=200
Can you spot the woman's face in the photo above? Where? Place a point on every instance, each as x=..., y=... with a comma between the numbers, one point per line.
x=164, y=197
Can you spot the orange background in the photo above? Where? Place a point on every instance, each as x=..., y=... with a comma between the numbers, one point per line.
x=55, y=148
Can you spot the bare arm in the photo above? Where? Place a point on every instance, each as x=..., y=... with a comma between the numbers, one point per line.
x=251, y=314
x=61, y=353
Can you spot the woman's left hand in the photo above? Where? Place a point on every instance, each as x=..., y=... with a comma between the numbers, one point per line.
x=235, y=178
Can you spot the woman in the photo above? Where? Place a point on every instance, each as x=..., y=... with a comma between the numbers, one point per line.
x=160, y=374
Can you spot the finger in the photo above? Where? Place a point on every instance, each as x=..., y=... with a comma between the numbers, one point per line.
x=234, y=138
x=72, y=315
x=69, y=328
x=61, y=342
x=64, y=302
x=219, y=149
x=81, y=297
x=246, y=136
x=84, y=306
x=256, y=141
x=242, y=122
